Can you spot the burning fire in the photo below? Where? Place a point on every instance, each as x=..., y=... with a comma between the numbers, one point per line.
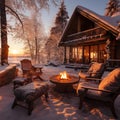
x=63, y=75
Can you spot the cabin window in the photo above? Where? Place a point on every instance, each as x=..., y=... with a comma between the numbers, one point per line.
x=79, y=53
x=74, y=52
x=86, y=54
x=93, y=53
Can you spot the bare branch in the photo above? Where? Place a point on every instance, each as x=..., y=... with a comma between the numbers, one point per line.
x=57, y=2
x=16, y=15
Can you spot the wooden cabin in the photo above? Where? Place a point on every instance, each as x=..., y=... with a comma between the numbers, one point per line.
x=89, y=37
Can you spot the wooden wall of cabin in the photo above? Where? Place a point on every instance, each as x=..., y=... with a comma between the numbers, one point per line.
x=117, y=50
x=113, y=47
x=67, y=54
x=84, y=23
x=112, y=50
x=72, y=27
x=114, y=60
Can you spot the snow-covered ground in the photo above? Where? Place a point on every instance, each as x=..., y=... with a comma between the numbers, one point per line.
x=61, y=106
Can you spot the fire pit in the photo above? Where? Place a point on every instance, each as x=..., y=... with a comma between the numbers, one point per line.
x=64, y=82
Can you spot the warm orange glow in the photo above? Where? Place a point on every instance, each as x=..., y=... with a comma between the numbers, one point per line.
x=63, y=75
x=0, y=97
x=93, y=55
x=15, y=52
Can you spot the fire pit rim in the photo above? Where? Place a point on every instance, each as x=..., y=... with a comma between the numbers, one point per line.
x=72, y=80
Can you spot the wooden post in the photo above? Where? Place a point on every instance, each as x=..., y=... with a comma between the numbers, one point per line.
x=65, y=60
x=107, y=48
x=83, y=61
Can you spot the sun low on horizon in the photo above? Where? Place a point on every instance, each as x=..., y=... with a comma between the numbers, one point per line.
x=15, y=49
x=16, y=52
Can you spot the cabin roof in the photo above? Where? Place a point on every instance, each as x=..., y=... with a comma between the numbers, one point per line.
x=107, y=22
x=110, y=21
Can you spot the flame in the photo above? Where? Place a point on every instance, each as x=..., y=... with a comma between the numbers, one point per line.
x=63, y=75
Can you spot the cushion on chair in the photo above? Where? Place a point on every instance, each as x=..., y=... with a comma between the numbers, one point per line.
x=95, y=68
x=93, y=94
x=111, y=81
x=94, y=71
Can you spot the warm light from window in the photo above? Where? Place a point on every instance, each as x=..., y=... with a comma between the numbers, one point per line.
x=93, y=55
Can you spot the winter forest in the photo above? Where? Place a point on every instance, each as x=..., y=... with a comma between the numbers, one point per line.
x=22, y=20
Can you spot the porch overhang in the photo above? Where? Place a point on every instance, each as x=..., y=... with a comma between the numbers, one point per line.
x=88, y=36
x=84, y=40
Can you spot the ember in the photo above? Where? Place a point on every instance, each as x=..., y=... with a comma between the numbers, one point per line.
x=63, y=75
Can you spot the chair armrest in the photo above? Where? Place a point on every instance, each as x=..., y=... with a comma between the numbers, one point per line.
x=94, y=72
x=33, y=66
x=91, y=88
x=94, y=79
x=36, y=67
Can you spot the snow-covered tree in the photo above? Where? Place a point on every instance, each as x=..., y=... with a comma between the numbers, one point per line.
x=54, y=52
x=16, y=8
x=113, y=8
x=61, y=19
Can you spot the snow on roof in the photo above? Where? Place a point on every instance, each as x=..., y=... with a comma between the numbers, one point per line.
x=110, y=21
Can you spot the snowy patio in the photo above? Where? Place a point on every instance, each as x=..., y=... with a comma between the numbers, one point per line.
x=61, y=106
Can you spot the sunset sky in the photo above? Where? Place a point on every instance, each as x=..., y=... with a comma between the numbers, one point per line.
x=48, y=18
x=95, y=5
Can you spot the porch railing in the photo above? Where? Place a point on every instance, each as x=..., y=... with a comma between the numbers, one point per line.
x=88, y=34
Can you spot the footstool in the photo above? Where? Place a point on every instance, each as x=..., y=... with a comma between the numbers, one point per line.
x=27, y=94
x=20, y=81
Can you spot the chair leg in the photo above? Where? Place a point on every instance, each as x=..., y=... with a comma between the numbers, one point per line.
x=81, y=102
x=82, y=96
x=30, y=108
x=14, y=85
x=113, y=109
x=46, y=96
x=14, y=103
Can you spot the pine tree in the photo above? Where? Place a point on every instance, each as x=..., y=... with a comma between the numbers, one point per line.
x=61, y=19
x=112, y=8
x=55, y=53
